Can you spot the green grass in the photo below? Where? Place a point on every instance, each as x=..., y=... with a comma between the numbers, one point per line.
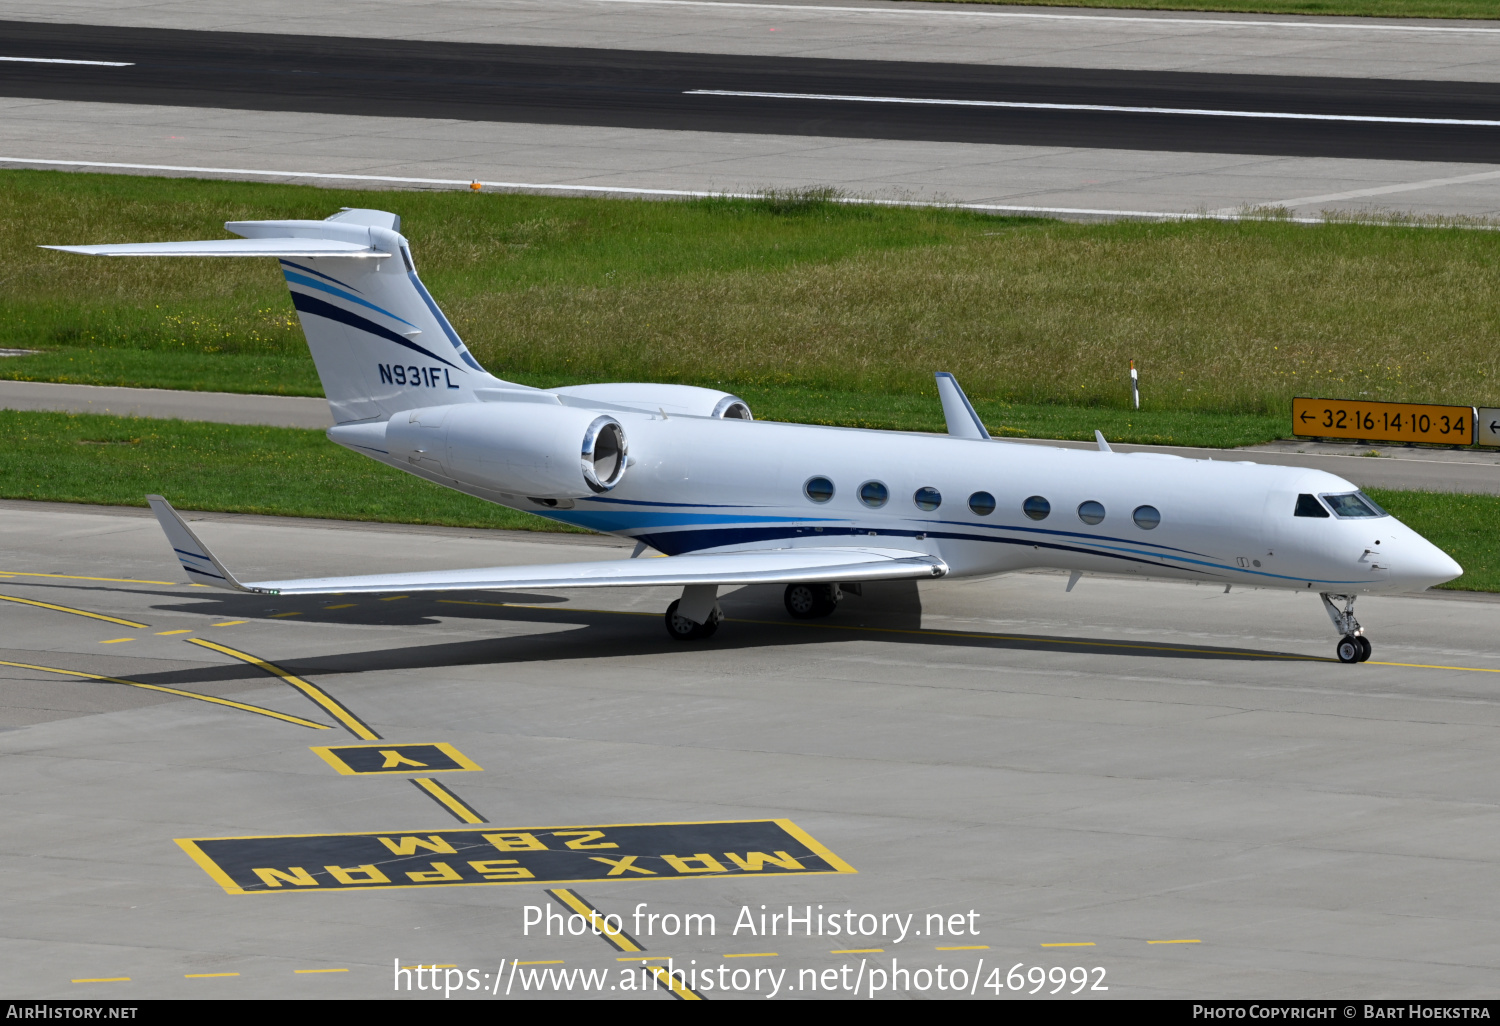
x=1326, y=8
x=1461, y=525
x=790, y=300
x=117, y=461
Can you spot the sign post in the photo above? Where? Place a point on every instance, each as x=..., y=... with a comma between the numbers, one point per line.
x=1384, y=422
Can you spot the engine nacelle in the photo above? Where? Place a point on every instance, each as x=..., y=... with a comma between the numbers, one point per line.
x=526, y=448
x=673, y=400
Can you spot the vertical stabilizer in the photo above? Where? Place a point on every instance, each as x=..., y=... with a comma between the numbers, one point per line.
x=380, y=342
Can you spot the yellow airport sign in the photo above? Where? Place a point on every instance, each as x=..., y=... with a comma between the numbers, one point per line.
x=1383, y=422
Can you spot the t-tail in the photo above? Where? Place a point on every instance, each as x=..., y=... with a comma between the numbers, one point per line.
x=380, y=342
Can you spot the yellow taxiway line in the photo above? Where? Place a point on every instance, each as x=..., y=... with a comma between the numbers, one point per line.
x=351, y=722
x=70, y=609
x=243, y=707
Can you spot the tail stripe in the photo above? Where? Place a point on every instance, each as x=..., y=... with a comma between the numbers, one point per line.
x=309, y=283
x=443, y=321
x=311, y=305
x=320, y=274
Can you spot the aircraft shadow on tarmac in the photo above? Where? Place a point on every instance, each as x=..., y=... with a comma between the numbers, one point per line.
x=755, y=618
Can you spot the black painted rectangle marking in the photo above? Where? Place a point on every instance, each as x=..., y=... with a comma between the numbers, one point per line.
x=390, y=758
x=505, y=855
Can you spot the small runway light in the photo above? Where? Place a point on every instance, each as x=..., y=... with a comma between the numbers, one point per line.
x=1135, y=386
x=475, y=186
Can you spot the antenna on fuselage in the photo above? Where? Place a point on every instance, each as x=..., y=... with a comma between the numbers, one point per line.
x=1103, y=445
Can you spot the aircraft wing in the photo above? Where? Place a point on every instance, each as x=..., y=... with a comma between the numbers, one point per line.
x=754, y=566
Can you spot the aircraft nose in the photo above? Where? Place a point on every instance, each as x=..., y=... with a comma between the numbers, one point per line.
x=1424, y=565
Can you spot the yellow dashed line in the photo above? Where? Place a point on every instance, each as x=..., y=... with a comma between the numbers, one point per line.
x=106, y=979
x=554, y=962
x=1070, y=944
x=115, y=641
x=855, y=951
x=1175, y=942
x=397, y=598
x=969, y=947
x=277, y=616
x=424, y=965
x=205, y=976
x=346, y=605
x=644, y=958
x=756, y=954
x=181, y=631
x=320, y=970
x=230, y=623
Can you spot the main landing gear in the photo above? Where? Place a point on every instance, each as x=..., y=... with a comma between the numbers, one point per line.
x=1353, y=646
x=683, y=629
x=811, y=601
x=696, y=615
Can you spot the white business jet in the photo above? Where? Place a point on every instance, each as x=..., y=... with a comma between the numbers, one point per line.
x=733, y=501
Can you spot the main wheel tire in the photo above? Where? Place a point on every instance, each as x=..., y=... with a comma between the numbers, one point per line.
x=683, y=629
x=1348, y=649
x=1365, y=648
x=810, y=601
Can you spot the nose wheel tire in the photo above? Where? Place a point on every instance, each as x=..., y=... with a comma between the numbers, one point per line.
x=1353, y=648
x=683, y=629
x=811, y=601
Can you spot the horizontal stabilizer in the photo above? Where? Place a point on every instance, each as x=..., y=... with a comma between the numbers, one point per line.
x=759, y=566
x=232, y=248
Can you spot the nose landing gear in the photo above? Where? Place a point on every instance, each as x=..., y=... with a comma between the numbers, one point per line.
x=1353, y=647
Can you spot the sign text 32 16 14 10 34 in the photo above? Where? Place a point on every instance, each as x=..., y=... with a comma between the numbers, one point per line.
x=1374, y=421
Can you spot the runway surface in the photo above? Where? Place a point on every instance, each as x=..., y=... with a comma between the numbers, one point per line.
x=1092, y=774
x=1083, y=179
x=899, y=100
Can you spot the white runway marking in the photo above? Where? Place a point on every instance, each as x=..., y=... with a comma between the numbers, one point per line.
x=1109, y=108
x=1137, y=20
x=630, y=190
x=598, y=189
x=1383, y=190
x=64, y=60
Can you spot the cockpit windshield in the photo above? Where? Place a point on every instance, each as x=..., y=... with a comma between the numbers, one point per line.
x=1354, y=504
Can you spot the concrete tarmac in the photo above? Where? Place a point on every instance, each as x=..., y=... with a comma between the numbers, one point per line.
x=167, y=404
x=1167, y=783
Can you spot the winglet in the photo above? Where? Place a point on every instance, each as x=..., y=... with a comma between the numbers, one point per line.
x=1103, y=445
x=963, y=422
x=194, y=556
